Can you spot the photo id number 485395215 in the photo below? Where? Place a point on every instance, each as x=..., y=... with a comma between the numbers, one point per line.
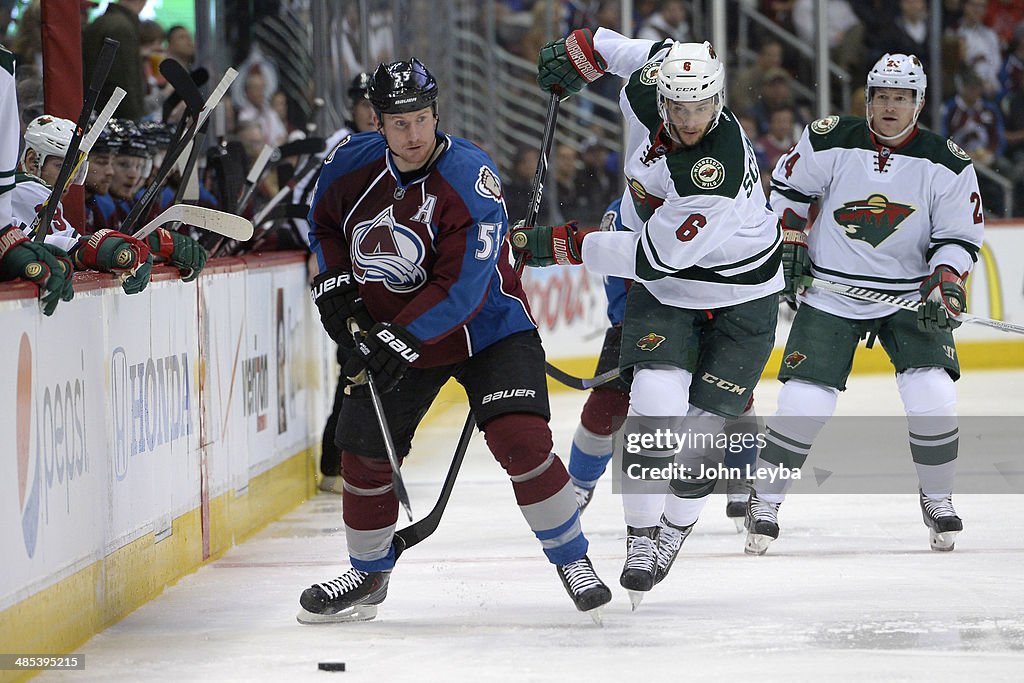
x=25, y=662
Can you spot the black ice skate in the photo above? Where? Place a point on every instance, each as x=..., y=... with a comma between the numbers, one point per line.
x=583, y=496
x=762, y=522
x=942, y=521
x=641, y=562
x=670, y=540
x=737, y=492
x=584, y=586
x=353, y=596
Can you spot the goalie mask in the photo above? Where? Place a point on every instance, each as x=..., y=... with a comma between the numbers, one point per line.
x=897, y=71
x=49, y=136
x=690, y=73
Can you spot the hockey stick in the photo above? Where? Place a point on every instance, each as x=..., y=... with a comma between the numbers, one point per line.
x=414, y=533
x=177, y=148
x=220, y=222
x=580, y=383
x=99, y=78
x=251, y=180
x=88, y=141
x=172, y=74
x=865, y=294
x=397, y=483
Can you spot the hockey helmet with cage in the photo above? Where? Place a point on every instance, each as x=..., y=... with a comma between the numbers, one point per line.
x=897, y=71
x=402, y=87
x=47, y=136
x=691, y=72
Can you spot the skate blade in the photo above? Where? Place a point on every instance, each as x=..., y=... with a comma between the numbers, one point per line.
x=757, y=544
x=635, y=598
x=596, y=615
x=942, y=541
x=740, y=524
x=355, y=613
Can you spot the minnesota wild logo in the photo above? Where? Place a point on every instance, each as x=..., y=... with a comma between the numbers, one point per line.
x=794, y=359
x=873, y=219
x=649, y=341
x=649, y=73
x=644, y=203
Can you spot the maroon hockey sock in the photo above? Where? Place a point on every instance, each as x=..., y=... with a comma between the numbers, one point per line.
x=604, y=411
x=521, y=443
x=368, y=503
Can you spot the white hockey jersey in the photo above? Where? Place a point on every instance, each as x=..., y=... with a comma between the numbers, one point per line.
x=28, y=196
x=700, y=233
x=887, y=217
x=9, y=130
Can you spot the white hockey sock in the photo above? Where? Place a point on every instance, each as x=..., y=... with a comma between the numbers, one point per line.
x=684, y=511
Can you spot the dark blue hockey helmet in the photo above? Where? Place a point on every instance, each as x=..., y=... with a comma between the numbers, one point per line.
x=402, y=87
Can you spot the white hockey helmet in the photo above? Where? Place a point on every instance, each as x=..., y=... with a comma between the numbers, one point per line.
x=691, y=72
x=48, y=136
x=898, y=71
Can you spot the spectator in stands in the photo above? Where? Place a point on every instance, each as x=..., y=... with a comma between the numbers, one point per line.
x=520, y=182
x=670, y=21
x=6, y=7
x=120, y=22
x=27, y=44
x=981, y=45
x=776, y=93
x=256, y=107
x=976, y=125
x=1011, y=76
x=180, y=46
x=907, y=34
x=1003, y=17
x=151, y=51
x=745, y=86
x=595, y=183
x=845, y=32
x=566, y=166
x=781, y=136
x=1013, y=118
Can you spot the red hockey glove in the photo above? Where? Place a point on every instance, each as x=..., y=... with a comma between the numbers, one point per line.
x=181, y=251
x=796, y=264
x=944, y=299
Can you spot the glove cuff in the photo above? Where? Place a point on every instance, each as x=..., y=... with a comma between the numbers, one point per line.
x=579, y=46
x=10, y=237
x=399, y=340
x=161, y=244
x=331, y=282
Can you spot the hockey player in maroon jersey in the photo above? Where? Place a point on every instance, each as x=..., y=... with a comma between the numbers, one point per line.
x=409, y=228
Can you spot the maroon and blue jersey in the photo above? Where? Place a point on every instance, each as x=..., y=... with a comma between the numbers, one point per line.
x=429, y=253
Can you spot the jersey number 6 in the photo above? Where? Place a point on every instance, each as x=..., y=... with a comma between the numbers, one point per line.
x=688, y=230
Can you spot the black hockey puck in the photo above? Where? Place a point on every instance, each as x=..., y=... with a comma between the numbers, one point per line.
x=331, y=666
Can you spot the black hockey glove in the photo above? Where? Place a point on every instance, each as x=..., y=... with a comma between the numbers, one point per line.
x=796, y=263
x=386, y=352
x=336, y=294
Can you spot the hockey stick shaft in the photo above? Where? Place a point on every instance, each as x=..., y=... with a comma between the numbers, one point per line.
x=253, y=178
x=99, y=78
x=414, y=533
x=176, y=150
x=580, y=383
x=397, y=483
x=865, y=294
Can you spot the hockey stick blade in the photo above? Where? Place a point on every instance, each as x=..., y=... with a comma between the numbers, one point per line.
x=220, y=222
x=298, y=148
x=580, y=383
x=99, y=78
x=875, y=296
x=414, y=533
x=181, y=80
x=199, y=77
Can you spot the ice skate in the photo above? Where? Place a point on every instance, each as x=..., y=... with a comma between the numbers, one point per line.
x=329, y=484
x=353, y=596
x=670, y=540
x=762, y=523
x=584, y=587
x=641, y=562
x=942, y=521
x=737, y=492
x=583, y=496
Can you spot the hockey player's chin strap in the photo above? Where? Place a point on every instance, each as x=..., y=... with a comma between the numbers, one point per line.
x=888, y=140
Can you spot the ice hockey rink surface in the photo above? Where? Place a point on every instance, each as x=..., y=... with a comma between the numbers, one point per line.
x=850, y=591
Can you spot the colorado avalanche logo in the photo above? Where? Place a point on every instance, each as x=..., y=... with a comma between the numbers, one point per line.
x=388, y=252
